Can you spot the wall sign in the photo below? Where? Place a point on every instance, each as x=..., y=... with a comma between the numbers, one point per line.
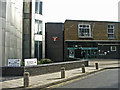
x=30, y=62
x=14, y=62
x=54, y=38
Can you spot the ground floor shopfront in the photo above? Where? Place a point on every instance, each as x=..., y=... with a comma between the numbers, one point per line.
x=92, y=49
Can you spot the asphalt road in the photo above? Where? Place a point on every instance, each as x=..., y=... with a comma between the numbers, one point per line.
x=104, y=79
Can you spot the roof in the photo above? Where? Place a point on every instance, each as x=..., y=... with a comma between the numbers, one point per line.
x=54, y=23
x=92, y=21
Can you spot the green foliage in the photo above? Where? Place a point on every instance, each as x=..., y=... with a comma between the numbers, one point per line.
x=45, y=61
x=22, y=63
x=38, y=62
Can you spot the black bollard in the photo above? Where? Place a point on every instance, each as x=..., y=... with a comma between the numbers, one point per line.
x=96, y=65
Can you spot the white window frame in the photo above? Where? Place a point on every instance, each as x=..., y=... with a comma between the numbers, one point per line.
x=38, y=7
x=111, y=48
x=90, y=34
x=38, y=27
x=111, y=33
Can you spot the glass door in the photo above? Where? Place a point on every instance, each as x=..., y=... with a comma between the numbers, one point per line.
x=38, y=50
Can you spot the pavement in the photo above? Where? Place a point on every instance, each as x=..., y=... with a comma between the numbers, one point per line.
x=41, y=81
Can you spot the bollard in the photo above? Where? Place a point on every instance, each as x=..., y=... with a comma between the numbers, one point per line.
x=96, y=65
x=62, y=72
x=26, y=79
x=83, y=68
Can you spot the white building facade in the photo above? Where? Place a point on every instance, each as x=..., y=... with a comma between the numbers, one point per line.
x=10, y=30
x=21, y=30
x=34, y=30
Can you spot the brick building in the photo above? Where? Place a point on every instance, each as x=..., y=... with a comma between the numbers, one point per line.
x=91, y=39
x=83, y=39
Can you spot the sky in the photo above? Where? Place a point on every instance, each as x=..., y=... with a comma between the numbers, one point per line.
x=100, y=10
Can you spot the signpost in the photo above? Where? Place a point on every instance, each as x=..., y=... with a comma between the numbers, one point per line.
x=30, y=62
x=14, y=62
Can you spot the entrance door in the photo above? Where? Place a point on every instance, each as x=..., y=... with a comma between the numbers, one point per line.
x=89, y=53
x=71, y=53
x=38, y=50
x=78, y=53
x=86, y=53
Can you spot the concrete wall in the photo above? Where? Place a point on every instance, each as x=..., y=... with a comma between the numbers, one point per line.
x=11, y=31
x=42, y=69
x=27, y=30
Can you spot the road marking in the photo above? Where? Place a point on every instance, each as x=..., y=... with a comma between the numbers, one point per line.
x=63, y=83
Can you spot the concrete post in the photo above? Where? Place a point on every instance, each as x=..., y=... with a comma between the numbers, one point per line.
x=83, y=68
x=96, y=65
x=62, y=72
x=26, y=79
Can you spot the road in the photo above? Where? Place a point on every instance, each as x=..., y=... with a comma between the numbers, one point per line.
x=104, y=79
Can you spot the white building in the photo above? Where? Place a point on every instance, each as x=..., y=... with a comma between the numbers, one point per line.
x=34, y=30
x=21, y=28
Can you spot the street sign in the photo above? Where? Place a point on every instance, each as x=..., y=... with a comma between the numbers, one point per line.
x=14, y=62
x=30, y=62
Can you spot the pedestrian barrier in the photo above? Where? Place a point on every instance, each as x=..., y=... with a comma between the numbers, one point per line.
x=63, y=72
x=96, y=65
x=26, y=79
x=83, y=68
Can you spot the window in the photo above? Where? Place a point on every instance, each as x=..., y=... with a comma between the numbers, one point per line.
x=38, y=7
x=40, y=10
x=84, y=30
x=71, y=53
x=111, y=31
x=113, y=48
x=38, y=27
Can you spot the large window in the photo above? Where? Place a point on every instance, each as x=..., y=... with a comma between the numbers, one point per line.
x=38, y=27
x=84, y=30
x=111, y=31
x=38, y=7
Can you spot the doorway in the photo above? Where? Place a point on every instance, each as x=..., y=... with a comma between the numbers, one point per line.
x=38, y=50
x=86, y=53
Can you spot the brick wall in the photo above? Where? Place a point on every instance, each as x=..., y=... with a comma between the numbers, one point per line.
x=99, y=30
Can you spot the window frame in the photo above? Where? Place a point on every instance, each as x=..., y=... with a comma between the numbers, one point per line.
x=39, y=7
x=90, y=30
x=111, y=48
x=39, y=27
x=111, y=33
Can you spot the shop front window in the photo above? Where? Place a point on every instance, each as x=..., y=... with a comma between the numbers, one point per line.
x=71, y=53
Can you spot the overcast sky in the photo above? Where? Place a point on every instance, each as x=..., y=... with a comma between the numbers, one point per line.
x=60, y=10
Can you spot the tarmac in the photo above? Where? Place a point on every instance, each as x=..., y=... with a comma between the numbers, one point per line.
x=41, y=81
